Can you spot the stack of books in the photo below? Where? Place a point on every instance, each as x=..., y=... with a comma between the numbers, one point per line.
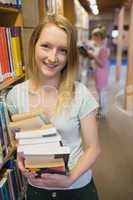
x=42, y=147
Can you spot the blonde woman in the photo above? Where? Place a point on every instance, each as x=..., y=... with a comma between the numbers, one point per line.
x=53, y=67
x=100, y=58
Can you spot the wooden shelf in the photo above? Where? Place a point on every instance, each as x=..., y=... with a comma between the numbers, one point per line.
x=8, y=156
x=8, y=9
x=11, y=151
x=8, y=82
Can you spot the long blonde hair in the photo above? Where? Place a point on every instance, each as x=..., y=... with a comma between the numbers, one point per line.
x=69, y=72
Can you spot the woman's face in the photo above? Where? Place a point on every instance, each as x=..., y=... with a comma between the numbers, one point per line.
x=96, y=39
x=51, y=51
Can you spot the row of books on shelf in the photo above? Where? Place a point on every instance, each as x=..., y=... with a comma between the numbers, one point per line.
x=12, y=3
x=40, y=143
x=12, y=183
x=11, y=58
x=6, y=136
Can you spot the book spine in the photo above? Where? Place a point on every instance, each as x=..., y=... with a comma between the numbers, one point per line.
x=36, y=133
x=16, y=50
x=1, y=74
x=4, y=189
x=8, y=35
x=10, y=185
x=4, y=127
x=4, y=52
x=7, y=120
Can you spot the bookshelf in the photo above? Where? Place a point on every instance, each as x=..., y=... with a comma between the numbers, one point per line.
x=12, y=71
x=11, y=45
x=11, y=81
x=8, y=156
x=82, y=23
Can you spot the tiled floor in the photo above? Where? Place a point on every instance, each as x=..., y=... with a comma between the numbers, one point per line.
x=113, y=172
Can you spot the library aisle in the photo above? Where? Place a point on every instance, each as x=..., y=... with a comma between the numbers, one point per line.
x=113, y=172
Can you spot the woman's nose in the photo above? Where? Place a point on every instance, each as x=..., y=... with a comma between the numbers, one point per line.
x=53, y=55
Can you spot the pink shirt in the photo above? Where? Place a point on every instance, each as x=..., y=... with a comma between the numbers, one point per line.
x=102, y=73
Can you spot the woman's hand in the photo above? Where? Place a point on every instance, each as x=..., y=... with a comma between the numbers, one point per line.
x=90, y=54
x=24, y=171
x=53, y=180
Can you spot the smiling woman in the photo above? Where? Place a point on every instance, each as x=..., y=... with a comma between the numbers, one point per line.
x=66, y=103
x=51, y=52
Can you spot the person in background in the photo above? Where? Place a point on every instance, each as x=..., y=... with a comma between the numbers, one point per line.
x=100, y=57
x=85, y=69
x=53, y=63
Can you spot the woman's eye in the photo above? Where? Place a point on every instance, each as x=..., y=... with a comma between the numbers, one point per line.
x=63, y=51
x=45, y=46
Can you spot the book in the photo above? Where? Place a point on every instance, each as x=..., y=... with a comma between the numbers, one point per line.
x=7, y=119
x=4, y=54
x=16, y=180
x=10, y=184
x=42, y=150
x=33, y=163
x=39, y=140
x=27, y=115
x=4, y=126
x=48, y=138
x=46, y=152
x=4, y=189
x=52, y=170
x=1, y=72
x=38, y=133
x=16, y=50
x=27, y=124
x=47, y=165
x=9, y=47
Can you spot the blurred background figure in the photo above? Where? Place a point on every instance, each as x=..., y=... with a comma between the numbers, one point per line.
x=100, y=63
x=85, y=68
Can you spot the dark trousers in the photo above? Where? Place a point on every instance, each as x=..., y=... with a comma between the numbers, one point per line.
x=87, y=192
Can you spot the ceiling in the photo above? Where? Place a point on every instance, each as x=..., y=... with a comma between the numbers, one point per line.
x=105, y=5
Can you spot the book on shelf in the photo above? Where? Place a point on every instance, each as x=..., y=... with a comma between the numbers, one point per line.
x=12, y=182
x=10, y=51
x=4, y=189
x=7, y=118
x=4, y=134
x=1, y=72
x=11, y=3
x=16, y=50
x=11, y=56
x=5, y=65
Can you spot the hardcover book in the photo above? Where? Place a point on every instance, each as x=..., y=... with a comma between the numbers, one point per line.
x=27, y=124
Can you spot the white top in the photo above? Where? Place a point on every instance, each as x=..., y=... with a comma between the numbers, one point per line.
x=67, y=122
